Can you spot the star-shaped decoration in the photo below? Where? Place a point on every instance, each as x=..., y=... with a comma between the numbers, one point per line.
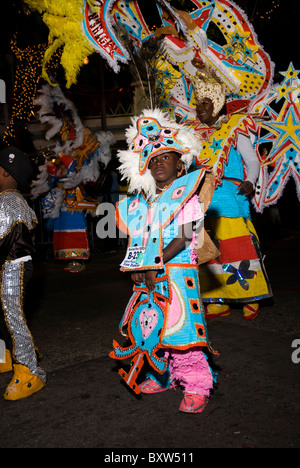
x=287, y=133
x=239, y=45
x=152, y=138
x=290, y=84
x=216, y=144
x=291, y=73
x=288, y=165
x=282, y=135
x=284, y=91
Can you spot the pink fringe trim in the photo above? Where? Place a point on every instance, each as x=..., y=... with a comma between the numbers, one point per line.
x=191, y=211
x=191, y=370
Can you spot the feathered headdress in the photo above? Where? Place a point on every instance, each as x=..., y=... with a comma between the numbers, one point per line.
x=150, y=134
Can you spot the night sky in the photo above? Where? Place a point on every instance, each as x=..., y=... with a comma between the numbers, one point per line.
x=278, y=35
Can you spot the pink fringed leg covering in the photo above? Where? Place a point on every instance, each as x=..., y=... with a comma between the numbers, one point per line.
x=191, y=370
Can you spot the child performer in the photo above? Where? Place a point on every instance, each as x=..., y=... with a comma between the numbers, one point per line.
x=164, y=318
x=17, y=222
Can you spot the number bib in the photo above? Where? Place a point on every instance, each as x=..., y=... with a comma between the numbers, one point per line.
x=134, y=258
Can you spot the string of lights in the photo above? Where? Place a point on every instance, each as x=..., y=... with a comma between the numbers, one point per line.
x=267, y=14
x=27, y=77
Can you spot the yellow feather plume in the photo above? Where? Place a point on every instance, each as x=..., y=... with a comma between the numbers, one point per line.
x=64, y=18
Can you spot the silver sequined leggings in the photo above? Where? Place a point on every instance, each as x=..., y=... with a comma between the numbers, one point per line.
x=12, y=305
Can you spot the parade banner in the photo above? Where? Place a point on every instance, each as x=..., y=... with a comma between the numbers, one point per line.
x=98, y=28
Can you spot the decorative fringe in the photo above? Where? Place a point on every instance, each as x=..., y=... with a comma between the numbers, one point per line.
x=191, y=369
x=63, y=19
x=41, y=184
x=97, y=146
x=179, y=24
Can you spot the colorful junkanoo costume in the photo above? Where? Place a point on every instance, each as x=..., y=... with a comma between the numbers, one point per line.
x=74, y=162
x=238, y=274
x=17, y=223
x=167, y=326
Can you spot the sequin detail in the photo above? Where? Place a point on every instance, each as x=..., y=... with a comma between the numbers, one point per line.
x=14, y=209
x=11, y=297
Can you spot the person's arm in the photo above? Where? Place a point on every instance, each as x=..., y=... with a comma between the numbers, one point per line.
x=173, y=248
x=17, y=243
x=178, y=243
x=245, y=148
x=8, y=244
x=3, y=250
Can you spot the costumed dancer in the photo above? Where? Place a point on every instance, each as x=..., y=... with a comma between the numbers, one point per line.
x=238, y=274
x=17, y=225
x=75, y=162
x=164, y=318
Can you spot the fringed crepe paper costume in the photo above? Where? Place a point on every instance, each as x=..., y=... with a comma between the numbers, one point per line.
x=168, y=324
x=238, y=274
x=77, y=159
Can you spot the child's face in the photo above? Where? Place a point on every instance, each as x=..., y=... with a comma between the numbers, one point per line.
x=164, y=167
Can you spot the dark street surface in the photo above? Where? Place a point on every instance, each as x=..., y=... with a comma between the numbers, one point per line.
x=74, y=318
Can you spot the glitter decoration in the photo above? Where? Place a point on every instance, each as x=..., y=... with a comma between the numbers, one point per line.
x=14, y=209
x=11, y=296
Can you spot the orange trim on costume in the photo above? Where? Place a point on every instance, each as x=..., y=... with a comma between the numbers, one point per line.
x=201, y=327
x=179, y=265
x=190, y=278
x=205, y=344
x=195, y=306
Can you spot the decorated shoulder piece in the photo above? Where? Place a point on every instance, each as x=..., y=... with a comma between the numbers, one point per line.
x=14, y=210
x=144, y=250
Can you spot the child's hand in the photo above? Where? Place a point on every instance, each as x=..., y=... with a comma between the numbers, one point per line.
x=150, y=277
x=138, y=278
x=245, y=188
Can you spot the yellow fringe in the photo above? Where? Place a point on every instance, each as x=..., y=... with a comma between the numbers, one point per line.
x=64, y=18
